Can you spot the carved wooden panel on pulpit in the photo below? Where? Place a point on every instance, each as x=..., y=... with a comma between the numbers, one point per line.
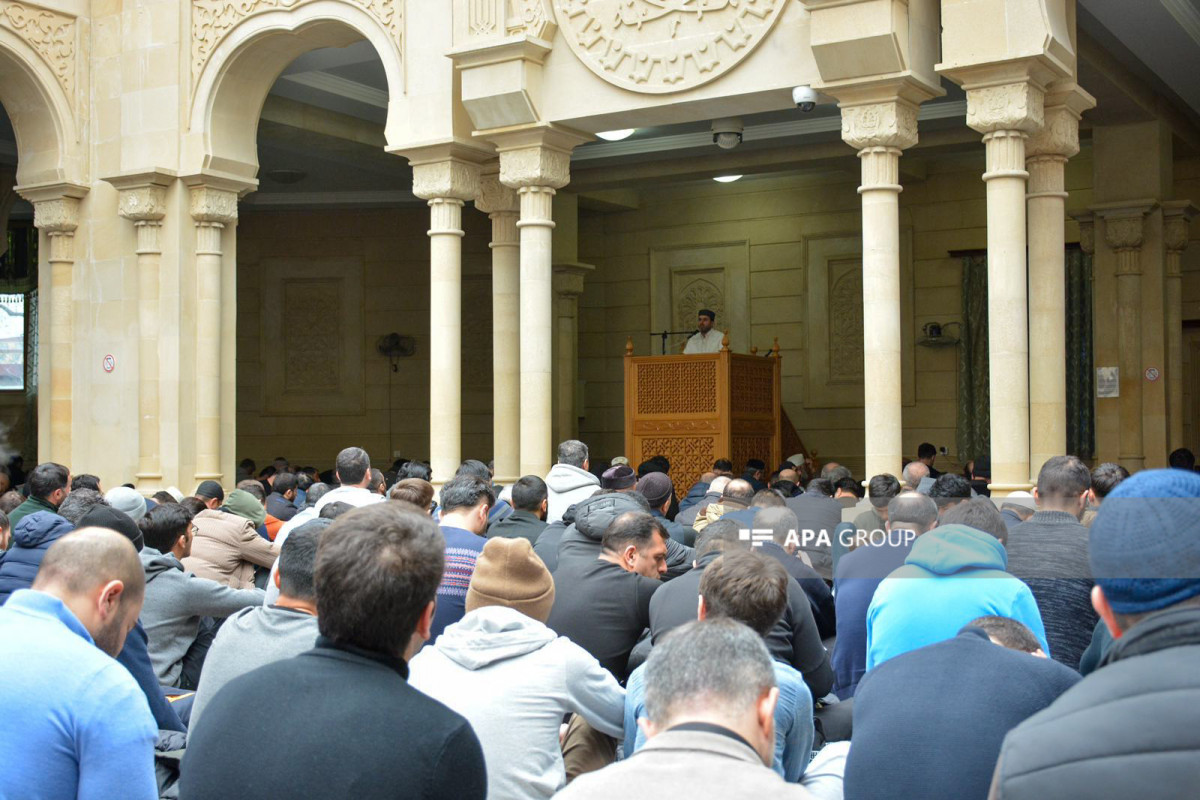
x=690, y=388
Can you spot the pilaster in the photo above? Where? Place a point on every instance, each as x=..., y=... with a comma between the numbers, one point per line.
x=1177, y=217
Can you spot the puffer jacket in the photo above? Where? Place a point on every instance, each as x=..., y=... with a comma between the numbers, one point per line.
x=1129, y=729
x=226, y=549
x=31, y=538
x=581, y=540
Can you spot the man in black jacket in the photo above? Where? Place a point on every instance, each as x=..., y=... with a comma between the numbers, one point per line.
x=581, y=539
x=528, y=518
x=793, y=640
x=1132, y=727
x=341, y=719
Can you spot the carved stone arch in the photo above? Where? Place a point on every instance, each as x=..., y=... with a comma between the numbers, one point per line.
x=234, y=67
x=48, y=146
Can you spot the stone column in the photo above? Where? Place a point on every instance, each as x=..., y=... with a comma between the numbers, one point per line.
x=446, y=183
x=1177, y=216
x=880, y=130
x=1124, y=229
x=501, y=205
x=1006, y=114
x=212, y=208
x=1046, y=156
x=536, y=162
x=568, y=286
x=143, y=201
x=56, y=216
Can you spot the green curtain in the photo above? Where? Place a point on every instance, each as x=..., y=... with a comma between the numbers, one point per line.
x=974, y=421
x=1081, y=407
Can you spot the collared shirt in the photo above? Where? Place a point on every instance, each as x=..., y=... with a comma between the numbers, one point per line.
x=75, y=723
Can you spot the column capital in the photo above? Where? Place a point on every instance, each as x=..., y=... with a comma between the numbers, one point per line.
x=494, y=197
x=1087, y=231
x=881, y=114
x=1177, y=217
x=55, y=205
x=1124, y=223
x=1016, y=106
x=1059, y=135
x=569, y=276
x=214, y=197
x=536, y=155
x=446, y=170
x=143, y=194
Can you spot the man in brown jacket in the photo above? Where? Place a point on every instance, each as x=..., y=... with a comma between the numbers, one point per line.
x=227, y=547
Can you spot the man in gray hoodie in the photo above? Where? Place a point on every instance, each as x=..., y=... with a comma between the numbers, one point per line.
x=177, y=601
x=256, y=636
x=569, y=481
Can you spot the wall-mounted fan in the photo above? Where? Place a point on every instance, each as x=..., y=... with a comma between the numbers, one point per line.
x=395, y=347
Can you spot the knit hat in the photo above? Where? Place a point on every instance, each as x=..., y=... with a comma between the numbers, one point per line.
x=127, y=500
x=618, y=477
x=99, y=516
x=620, y=460
x=246, y=505
x=211, y=490
x=509, y=574
x=1144, y=546
x=174, y=492
x=1019, y=498
x=656, y=487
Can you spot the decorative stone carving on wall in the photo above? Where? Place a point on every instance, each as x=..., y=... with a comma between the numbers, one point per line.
x=213, y=19
x=694, y=295
x=690, y=456
x=50, y=33
x=846, y=321
x=683, y=378
x=659, y=46
x=321, y=373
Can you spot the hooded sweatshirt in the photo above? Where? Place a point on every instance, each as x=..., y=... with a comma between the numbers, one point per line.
x=175, y=602
x=514, y=679
x=953, y=575
x=565, y=486
x=31, y=538
x=581, y=540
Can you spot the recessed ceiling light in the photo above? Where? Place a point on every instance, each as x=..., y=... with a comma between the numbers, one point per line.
x=616, y=136
x=727, y=178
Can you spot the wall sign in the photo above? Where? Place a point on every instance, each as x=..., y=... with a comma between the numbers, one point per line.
x=1108, y=381
x=110, y=363
x=1152, y=374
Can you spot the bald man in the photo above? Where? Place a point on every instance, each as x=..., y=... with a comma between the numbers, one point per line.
x=75, y=724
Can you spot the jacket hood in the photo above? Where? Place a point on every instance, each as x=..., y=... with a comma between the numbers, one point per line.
x=566, y=478
x=595, y=514
x=953, y=548
x=39, y=529
x=491, y=634
x=156, y=563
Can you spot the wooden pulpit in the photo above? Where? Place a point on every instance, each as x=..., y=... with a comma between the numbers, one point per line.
x=698, y=408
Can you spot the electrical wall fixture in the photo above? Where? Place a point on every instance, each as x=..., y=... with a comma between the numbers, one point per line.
x=727, y=132
x=727, y=178
x=616, y=136
x=937, y=334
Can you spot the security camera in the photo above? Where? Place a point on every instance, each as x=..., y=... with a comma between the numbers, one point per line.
x=805, y=98
x=727, y=133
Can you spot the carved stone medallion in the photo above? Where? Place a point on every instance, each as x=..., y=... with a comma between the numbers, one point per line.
x=659, y=46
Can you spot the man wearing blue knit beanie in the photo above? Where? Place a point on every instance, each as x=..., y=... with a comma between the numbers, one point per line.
x=1132, y=727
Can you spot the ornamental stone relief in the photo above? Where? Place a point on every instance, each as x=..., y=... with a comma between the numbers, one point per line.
x=697, y=295
x=659, y=46
x=846, y=321
x=49, y=33
x=212, y=19
x=312, y=363
x=1010, y=107
x=880, y=125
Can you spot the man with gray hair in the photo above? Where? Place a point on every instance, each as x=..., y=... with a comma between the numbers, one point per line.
x=569, y=481
x=860, y=572
x=914, y=473
x=710, y=706
x=785, y=531
x=78, y=503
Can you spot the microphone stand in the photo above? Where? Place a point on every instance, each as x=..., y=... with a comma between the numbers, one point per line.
x=665, y=334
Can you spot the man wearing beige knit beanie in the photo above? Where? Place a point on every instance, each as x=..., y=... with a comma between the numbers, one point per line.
x=513, y=678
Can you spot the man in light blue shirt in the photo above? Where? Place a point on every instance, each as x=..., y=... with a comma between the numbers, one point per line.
x=75, y=724
x=751, y=589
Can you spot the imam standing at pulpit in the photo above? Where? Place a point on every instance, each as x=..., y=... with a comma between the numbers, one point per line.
x=706, y=339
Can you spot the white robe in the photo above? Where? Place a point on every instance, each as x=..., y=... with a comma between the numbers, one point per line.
x=699, y=343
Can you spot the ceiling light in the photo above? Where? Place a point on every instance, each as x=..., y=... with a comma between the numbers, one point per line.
x=727, y=178
x=727, y=133
x=616, y=136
